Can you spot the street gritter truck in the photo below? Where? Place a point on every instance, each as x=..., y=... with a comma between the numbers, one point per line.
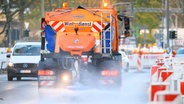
x=80, y=45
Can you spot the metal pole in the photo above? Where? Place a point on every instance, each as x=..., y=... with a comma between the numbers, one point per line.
x=43, y=9
x=172, y=43
x=42, y=34
x=167, y=22
x=162, y=4
x=144, y=35
x=8, y=20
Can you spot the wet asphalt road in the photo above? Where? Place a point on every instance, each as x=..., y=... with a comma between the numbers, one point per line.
x=134, y=91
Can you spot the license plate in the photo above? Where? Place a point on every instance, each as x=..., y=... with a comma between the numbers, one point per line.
x=25, y=71
x=47, y=77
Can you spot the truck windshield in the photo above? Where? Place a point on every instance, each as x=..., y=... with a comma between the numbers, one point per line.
x=26, y=50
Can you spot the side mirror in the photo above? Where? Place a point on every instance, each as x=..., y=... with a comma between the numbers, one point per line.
x=8, y=55
x=120, y=17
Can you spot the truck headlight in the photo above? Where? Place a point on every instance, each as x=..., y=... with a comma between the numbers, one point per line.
x=10, y=64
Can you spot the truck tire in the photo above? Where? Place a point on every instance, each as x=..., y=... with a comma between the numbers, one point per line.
x=18, y=78
x=10, y=78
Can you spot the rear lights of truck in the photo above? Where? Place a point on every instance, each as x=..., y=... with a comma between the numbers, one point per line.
x=108, y=73
x=45, y=72
x=84, y=58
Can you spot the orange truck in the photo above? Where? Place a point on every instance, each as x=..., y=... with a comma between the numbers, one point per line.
x=81, y=46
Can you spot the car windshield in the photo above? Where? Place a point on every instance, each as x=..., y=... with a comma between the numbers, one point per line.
x=25, y=50
x=180, y=51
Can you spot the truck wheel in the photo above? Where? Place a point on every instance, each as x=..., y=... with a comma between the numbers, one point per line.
x=10, y=78
x=18, y=78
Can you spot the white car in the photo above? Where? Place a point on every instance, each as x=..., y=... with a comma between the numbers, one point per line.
x=23, y=60
x=180, y=52
x=125, y=61
x=179, y=57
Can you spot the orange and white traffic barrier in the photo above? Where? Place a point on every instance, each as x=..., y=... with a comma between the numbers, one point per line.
x=160, y=70
x=148, y=59
x=167, y=97
x=133, y=59
x=182, y=87
x=139, y=62
x=166, y=76
x=175, y=84
x=154, y=73
x=182, y=91
x=155, y=87
x=160, y=61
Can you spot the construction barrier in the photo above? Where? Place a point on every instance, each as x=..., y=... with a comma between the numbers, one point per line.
x=159, y=71
x=167, y=97
x=133, y=61
x=3, y=58
x=155, y=87
x=143, y=60
x=182, y=91
x=167, y=81
x=139, y=62
x=154, y=73
x=149, y=59
x=182, y=87
x=166, y=76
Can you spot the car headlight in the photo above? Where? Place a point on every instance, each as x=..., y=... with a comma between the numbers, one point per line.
x=10, y=64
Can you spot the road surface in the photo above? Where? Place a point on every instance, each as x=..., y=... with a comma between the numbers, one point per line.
x=134, y=91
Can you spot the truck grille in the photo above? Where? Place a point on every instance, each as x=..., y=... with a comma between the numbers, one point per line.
x=25, y=66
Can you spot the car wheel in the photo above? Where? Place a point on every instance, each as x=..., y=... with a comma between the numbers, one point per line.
x=10, y=78
x=18, y=78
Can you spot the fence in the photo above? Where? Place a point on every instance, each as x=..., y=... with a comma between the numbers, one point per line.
x=146, y=60
x=169, y=81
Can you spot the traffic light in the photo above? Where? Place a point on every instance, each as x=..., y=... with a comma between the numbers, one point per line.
x=172, y=35
x=127, y=33
x=6, y=33
x=26, y=33
x=127, y=23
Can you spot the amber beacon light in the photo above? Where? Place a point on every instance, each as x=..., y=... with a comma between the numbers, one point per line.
x=65, y=5
x=105, y=5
